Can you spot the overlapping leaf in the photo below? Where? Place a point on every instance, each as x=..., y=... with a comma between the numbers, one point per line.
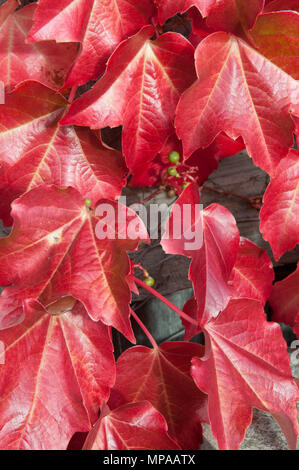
x=136, y=426
x=54, y=250
x=57, y=372
x=276, y=36
x=162, y=376
x=284, y=300
x=241, y=370
x=211, y=239
x=252, y=275
x=222, y=15
x=280, y=212
x=140, y=90
x=47, y=63
x=242, y=93
x=34, y=149
x=99, y=27
x=280, y=5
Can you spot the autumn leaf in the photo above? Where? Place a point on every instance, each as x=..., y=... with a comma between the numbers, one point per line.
x=252, y=275
x=284, y=300
x=235, y=94
x=47, y=153
x=276, y=36
x=162, y=376
x=241, y=370
x=58, y=371
x=140, y=90
x=54, y=251
x=221, y=15
x=213, y=249
x=47, y=63
x=98, y=26
x=280, y=211
x=200, y=165
x=136, y=426
x=279, y=5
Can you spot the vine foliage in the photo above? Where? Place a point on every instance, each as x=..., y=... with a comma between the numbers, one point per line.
x=190, y=82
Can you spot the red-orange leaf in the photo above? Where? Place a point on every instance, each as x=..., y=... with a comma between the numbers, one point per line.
x=276, y=36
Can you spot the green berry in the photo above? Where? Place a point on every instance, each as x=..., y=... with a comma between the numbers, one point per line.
x=171, y=193
x=185, y=185
x=88, y=202
x=149, y=281
x=172, y=171
x=174, y=157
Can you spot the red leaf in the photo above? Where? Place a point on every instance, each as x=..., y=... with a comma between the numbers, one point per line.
x=252, y=275
x=162, y=376
x=140, y=89
x=99, y=27
x=284, y=299
x=53, y=251
x=246, y=366
x=276, y=35
x=278, y=5
x=58, y=370
x=214, y=255
x=47, y=63
x=223, y=15
x=280, y=212
x=235, y=94
x=50, y=154
x=136, y=426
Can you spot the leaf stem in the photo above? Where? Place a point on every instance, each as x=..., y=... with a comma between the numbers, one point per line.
x=166, y=302
x=72, y=94
x=145, y=330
